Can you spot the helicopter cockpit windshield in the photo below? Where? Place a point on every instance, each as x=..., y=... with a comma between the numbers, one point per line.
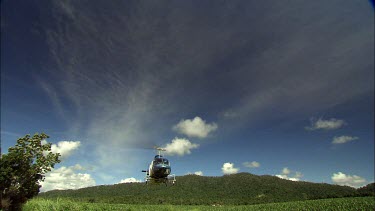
x=161, y=161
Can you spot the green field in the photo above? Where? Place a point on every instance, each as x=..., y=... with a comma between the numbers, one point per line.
x=354, y=203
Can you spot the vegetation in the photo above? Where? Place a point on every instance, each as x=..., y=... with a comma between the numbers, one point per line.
x=368, y=190
x=236, y=189
x=22, y=168
x=360, y=203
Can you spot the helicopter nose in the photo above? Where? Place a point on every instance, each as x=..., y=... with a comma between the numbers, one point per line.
x=164, y=170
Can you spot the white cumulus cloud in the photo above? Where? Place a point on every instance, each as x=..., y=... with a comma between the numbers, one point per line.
x=65, y=148
x=252, y=164
x=348, y=180
x=199, y=173
x=286, y=172
x=66, y=178
x=329, y=124
x=130, y=180
x=343, y=139
x=196, y=127
x=282, y=176
x=228, y=168
x=180, y=146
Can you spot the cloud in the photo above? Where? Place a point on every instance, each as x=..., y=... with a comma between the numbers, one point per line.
x=253, y=164
x=285, y=171
x=229, y=114
x=330, y=124
x=78, y=167
x=180, y=146
x=298, y=174
x=66, y=178
x=343, y=139
x=228, y=168
x=348, y=180
x=65, y=148
x=199, y=173
x=9, y=133
x=130, y=180
x=195, y=127
x=285, y=175
x=136, y=101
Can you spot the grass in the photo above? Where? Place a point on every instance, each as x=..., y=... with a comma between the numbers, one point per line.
x=355, y=203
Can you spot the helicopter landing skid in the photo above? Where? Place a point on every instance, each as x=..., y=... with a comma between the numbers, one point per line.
x=171, y=179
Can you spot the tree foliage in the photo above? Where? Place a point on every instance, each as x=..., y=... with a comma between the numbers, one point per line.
x=368, y=190
x=23, y=168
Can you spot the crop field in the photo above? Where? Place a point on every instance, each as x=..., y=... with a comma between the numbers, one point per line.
x=355, y=203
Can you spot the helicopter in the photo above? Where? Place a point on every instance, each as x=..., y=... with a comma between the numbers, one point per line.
x=159, y=170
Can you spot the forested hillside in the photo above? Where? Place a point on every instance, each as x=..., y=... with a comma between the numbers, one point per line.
x=368, y=190
x=242, y=188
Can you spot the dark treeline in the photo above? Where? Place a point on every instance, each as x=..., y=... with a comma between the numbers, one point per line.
x=236, y=189
x=368, y=190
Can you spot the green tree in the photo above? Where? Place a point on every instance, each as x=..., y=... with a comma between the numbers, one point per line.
x=23, y=168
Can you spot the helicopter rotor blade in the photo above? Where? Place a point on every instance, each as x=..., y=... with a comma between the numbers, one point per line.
x=159, y=148
x=142, y=145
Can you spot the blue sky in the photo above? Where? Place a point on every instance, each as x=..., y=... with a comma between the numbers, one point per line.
x=226, y=86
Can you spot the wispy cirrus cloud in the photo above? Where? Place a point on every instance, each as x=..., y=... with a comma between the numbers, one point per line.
x=9, y=133
x=343, y=139
x=325, y=124
x=252, y=164
x=125, y=87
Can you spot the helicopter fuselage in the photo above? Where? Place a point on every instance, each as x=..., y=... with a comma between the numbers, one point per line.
x=159, y=168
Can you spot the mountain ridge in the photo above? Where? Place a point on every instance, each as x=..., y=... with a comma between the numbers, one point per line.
x=235, y=189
